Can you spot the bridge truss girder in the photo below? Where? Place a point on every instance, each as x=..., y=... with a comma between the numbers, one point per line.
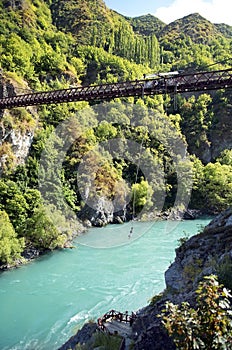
x=168, y=84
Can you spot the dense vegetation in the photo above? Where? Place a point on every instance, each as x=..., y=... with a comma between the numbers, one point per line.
x=53, y=44
x=208, y=326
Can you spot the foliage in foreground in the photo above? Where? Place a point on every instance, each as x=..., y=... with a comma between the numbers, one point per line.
x=207, y=327
x=103, y=341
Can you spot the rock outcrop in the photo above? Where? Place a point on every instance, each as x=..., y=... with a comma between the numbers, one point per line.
x=201, y=255
x=83, y=336
x=102, y=213
x=99, y=215
x=16, y=126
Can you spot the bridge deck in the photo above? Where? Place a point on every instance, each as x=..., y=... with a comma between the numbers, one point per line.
x=120, y=328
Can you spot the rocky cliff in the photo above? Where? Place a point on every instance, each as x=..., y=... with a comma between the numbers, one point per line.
x=201, y=255
x=16, y=126
x=209, y=252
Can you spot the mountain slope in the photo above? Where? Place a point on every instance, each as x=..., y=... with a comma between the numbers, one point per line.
x=224, y=29
x=147, y=24
x=92, y=23
x=84, y=19
x=199, y=29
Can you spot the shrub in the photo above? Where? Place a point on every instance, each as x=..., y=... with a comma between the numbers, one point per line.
x=209, y=326
x=224, y=272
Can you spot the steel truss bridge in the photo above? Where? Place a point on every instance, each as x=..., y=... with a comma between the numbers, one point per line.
x=160, y=83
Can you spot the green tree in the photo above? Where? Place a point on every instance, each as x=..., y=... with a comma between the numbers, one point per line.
x=14, y=203
x=105, y=131
x=225, y=157
x=11, y=247
x=217, y=186
x=16, y=56
x=42, y=232
x=141, y=195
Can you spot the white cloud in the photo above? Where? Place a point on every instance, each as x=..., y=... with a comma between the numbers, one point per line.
x=216, y=11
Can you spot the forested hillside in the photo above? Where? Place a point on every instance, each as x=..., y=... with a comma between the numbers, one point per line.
x=53, y=44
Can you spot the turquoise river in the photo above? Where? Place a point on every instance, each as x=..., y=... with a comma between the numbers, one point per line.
x=44, y=302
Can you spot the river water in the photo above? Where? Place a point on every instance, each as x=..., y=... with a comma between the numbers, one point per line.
x=44, y=302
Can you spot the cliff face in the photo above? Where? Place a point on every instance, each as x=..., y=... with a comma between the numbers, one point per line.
x=203, y=254
x=14, y=147
x=16, y=127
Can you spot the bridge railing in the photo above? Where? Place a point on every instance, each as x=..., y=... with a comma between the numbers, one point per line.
x=116, y=315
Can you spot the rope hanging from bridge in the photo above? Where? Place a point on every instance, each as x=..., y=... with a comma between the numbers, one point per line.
x=135, y=182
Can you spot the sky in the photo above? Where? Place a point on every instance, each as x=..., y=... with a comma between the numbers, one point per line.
x=216, y=11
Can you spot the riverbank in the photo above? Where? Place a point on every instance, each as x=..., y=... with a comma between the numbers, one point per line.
x=31, y=253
